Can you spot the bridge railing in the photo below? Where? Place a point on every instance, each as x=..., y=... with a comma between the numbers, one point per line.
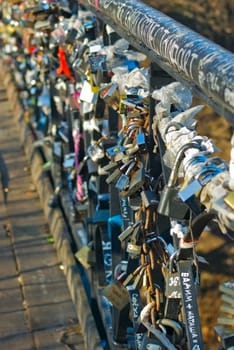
x=155, y=143
x=207, y=68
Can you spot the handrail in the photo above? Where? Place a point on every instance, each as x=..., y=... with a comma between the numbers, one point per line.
x=205, y=67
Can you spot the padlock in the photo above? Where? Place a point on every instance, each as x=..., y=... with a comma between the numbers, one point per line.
x=88, y=94
x=141, y=141
x=117, y=294
x=132, y=149
x=63, y=132
x=136, y=182
x=80, y=67
x=134, y=250
x=170, y=203
x=123, y=180
x=229, y=200
x=173, y=290
x=97, y=62
x=57, y=150
x=150, y=343
x=85, y=256
x=128, y=279
x=205, y=174
x=91, y=166
x=98, y=69
x=95, y=152
x=189, y=190
x=117, y=173
x=138, y=279
x=110, y=166
x=128, y=231
x=135, y=201
x=134, y=102
x=114, y=176
x=149, y=198
x=111, y=95
x=68, y=162
x=92, y=81
x=113, y=151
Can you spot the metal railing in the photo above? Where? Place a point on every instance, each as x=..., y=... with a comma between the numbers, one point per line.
x=207, y=68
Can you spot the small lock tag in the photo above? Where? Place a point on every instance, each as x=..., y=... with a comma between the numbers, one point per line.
x=151, y=344
x=189, y=304
x=173, y=290
x=136, y=307
x=117, y=294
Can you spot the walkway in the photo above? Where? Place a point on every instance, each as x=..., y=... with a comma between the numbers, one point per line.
x=36, y=310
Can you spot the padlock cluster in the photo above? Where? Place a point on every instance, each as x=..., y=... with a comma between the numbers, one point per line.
x=126, y=163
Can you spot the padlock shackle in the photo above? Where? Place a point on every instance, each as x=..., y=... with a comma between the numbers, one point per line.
x=179, y=157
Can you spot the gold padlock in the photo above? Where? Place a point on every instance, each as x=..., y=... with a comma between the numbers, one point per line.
x=94, y=88
x=85, y=255
x=229, y=200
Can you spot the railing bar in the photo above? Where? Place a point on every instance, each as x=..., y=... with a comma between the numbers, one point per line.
x=211, y=75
